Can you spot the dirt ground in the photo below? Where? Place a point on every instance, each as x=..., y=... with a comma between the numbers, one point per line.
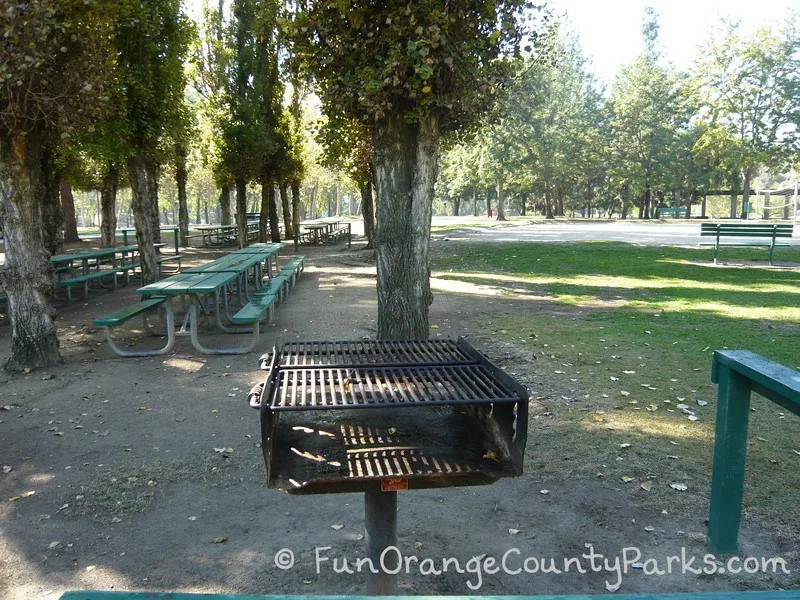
x=148, y=474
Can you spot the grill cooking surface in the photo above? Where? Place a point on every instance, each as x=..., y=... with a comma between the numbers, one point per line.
x=374, y=353
x=432, y=413
x=365, y=387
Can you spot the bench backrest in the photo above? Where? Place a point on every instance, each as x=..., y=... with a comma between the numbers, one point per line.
x=747, y=229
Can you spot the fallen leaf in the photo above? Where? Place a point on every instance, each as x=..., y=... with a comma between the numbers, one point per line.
x=13, y=498
x=116, y=520
x=513, y=531
x=337, y=527
x=625, y=445
x=7, y=469
x=624, y=393
x=761, y=439
x=90, y=568
x=417, y=545
x=220, y=540
x=614, y=378
x=193, y=518
x=544, y=491
x=54, y=544
x=629, y=372
x=701, y=402
x=796, y=452
x=647, y=485
x=649, y=528
x=627, y=479
x=152, y=483
x=681, y=487
x=693, y=418
x=490, y=455
x=26, y=494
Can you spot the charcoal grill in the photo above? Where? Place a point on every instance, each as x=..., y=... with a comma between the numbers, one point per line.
x=380, y=416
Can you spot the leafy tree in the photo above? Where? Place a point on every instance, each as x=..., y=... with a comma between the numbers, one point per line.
x=55, y=62
x=750, y=88
x=409, y=72
x=152, y=40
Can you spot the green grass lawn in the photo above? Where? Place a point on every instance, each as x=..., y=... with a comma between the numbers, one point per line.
x=623, y=335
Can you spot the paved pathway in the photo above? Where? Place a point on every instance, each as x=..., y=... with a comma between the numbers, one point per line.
x=638, y=232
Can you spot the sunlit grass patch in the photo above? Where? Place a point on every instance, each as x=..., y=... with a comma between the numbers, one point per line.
x=625, y=375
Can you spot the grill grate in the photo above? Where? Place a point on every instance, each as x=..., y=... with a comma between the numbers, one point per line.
x=373, y=353
x=371, y=387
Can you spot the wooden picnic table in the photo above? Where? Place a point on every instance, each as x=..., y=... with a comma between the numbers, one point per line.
x=198, y=288
x=175, y=233
x=218, y=235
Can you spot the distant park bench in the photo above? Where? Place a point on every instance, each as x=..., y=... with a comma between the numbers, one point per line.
x=674, y=213
x=766, y=234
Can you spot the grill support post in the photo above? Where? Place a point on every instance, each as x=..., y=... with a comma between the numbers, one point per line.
x=380, y=520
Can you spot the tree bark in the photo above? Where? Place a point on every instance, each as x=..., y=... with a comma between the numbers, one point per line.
x=68, y=207
x=241, y=212
x=224, y=206
x=368, y=212
x=295, y=209
x=108, y=207
x=548, y=202
x=287, y=214
x=501, y=201
x=181, y=177
x=140, y=173
x=274, y=221
x=405, y=167
x=475, y=202
x=152, y=181
x=766, y=212
x=523, y=202
x=456, y=205
x=313, y=201
x=263, y=215
x=27, y=274
x=559, y=200
x=52, y=215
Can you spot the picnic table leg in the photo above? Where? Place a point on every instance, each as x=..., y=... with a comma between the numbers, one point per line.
x=175, y=236
x=205, y=350
x=730, y=451
x=165, y=350
x=124, y=238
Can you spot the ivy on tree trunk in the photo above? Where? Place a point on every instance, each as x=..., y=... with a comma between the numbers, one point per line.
x=27, y=274
x=405, y=168
x=68, y=206
x=140, y=175
x=368, y=212
x=108, y=208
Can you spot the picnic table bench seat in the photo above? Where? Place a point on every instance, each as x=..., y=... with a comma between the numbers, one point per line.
x=84, y=280
x=253, y=311
x=117, y=318
x=294, y=267
x=756, y=234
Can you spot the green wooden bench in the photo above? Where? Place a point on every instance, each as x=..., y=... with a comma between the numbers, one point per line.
x=84, y=281
x=769, y=595
x=294, y=267
x=115, y=319
x=757, y=234
x=739, y=372
x=673, y=212
x=260, y=304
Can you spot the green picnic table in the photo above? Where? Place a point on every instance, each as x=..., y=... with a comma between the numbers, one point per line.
x=196, y=288
x=175, y=233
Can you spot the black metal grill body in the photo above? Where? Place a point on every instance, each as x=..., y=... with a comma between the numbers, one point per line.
x=352, y=416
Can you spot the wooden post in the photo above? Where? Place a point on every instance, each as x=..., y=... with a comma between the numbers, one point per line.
x=380, y=511
x=730, y=451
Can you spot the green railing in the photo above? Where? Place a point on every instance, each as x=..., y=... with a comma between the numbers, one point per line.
x=738, y=373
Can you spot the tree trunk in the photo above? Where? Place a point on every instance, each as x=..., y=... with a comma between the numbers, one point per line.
x=68, y=207
x=287, y=214
x=747, y=173
x=589, y=198
x=241, y=212
x=475, y=202
x=27, y=273
x=263, y=214
x=405, y=167
x=152, y=181
x=274, y=221
x=295, y=209
x=559, y=200
x=139, y=175
x=224, y=206
x=181, y=177
x=198, y=206
x=548, y=202
x=456, y=205
x=368, y=211
x=524, y=201
x=108, y=207
x=734, y=198
x=52, y=215
x=501, y=200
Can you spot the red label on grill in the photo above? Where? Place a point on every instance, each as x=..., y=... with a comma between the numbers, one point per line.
x=394, y=484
